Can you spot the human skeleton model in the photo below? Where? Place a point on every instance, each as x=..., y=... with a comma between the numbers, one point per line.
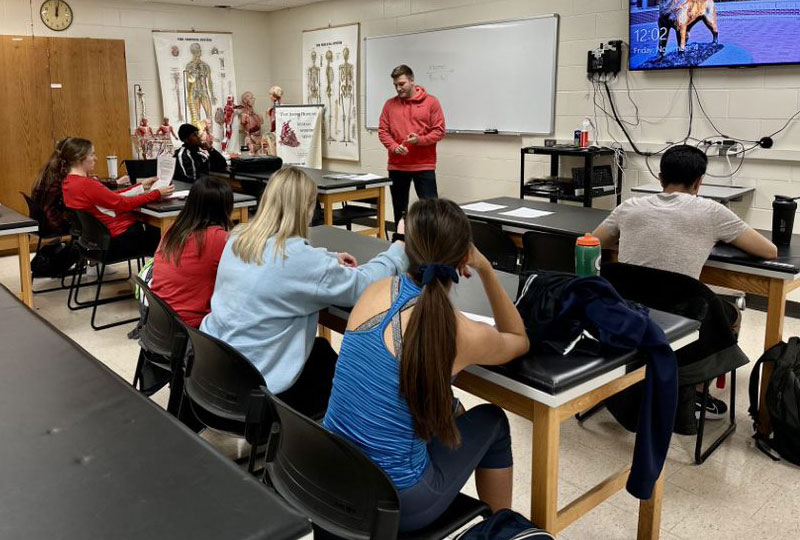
x=166, y=129
x=199, y=90
x=329, y=90
x=251, y=122
x=313, y=80
x=346, y=93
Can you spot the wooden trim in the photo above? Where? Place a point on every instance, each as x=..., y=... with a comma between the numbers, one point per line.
x=337, y=26
x=503, y=398
x=352, y=195
x=25, y=277
x=587, y=401
x=586, y=502
x=736, y=280
x=544, y=467
x=650, y=513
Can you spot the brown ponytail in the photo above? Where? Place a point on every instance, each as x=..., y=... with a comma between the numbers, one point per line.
x=67, y=153
x=437, y=232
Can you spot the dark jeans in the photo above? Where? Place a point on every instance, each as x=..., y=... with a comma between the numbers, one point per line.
x=311, y=391
x=485, y=444
x=424, y=185
x=140, y=240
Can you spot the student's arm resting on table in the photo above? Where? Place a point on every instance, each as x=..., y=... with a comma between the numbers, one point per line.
x=479, y=343
x=607, y=240
x=104, y=197
x=753, y=243
x=342, y=285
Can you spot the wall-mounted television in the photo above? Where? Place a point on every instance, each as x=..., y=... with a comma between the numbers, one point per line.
x=669, y=34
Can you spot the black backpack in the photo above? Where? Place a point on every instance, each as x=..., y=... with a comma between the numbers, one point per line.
x=783, y=400
x=505, y=525
x=54, y=260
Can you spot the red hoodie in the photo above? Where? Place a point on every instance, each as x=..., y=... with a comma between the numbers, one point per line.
x=421, y=114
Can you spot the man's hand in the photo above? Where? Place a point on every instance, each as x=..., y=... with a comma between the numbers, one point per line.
x=412, y=138
x=401, y=150
x=345, y=259
x=147, y=182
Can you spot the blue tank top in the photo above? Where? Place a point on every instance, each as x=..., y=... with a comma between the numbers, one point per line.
x=365, y=405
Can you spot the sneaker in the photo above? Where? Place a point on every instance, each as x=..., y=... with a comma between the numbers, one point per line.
x=716, y=409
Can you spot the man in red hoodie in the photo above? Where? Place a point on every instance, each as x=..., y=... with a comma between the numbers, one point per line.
x=410, y=126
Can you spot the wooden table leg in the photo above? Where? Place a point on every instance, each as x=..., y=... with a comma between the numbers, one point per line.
x=544, y=469
x=327, y=209
x=382, y=213
x=324, y=332
x=244, y=214
x=25, y=269
x=776, y=310
x=650, y=513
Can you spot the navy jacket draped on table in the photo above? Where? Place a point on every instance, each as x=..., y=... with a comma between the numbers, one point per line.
x=558, y=307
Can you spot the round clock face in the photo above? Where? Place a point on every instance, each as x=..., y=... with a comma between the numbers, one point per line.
x=56, y=14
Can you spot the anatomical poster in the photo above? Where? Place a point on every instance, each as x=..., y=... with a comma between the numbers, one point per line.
x=330, y=74
x=298, y=135
x=197, y=78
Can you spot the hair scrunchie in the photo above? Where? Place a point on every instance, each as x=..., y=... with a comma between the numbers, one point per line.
x=443, y=272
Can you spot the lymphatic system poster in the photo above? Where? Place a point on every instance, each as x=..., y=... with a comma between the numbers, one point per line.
x=330, y=74
x=197, y=78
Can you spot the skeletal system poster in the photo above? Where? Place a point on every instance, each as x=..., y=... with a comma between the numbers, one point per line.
x=298, y=135
x=330, y=73
x=197, y=77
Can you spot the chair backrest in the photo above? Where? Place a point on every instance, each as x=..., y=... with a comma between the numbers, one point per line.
x=141, y=168
x=329, y=479
x=37, y=213
x=548, y=251
x=219, y=381
x=162, y=333
x=496, y=245
x=93, y=236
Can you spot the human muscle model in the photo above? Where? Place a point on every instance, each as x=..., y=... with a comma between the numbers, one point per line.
x=251, y=122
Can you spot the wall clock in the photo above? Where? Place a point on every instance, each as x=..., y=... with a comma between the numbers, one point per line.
x=56, y=14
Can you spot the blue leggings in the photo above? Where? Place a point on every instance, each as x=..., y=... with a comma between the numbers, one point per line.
x=485, y=444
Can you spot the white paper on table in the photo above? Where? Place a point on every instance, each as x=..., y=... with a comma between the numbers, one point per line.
x=367, y=176
x=182, y=194
x=106, y=211
x=479, y=318
x=528, y=213
x=338, y=176
x=482, y=207
x=138, y=189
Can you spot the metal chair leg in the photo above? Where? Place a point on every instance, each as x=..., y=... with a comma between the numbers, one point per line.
x=701, y=455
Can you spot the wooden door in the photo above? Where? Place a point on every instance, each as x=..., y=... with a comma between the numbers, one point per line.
x=93, y=99
x=26, y=137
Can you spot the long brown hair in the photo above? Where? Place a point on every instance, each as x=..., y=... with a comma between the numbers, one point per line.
x=437, y=232
x=67, y=153
x=210, y=202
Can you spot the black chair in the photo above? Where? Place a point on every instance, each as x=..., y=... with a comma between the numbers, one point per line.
x=548, y=251
x=496, y=245
x=44, y=236
x=223, y=390
x=93, y=243
x=351, y=212
x=344, y=493
x=163, y=343
x=716, y=351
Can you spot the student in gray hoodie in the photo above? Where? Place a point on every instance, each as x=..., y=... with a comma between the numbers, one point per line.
x=271, y=284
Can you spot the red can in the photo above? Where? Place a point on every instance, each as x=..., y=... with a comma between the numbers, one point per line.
x=584, y=139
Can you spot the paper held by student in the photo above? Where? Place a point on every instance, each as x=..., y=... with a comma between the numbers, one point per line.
x=166, y=168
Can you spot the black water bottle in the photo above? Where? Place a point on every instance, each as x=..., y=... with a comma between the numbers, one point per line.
x=783, y=210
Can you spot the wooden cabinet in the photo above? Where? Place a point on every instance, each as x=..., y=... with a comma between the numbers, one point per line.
x=53, y=88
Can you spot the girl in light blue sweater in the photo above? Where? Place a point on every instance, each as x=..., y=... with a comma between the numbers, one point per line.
x=271, y=284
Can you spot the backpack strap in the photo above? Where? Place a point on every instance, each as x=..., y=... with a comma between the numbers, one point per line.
x=770, y=355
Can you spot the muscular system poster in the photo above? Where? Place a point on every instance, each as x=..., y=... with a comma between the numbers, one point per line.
x=330, y=75
x=196, y=74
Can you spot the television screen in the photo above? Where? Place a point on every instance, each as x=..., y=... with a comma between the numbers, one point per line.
x=705, y=33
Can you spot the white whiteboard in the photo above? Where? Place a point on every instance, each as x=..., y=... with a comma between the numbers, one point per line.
x=494, y=76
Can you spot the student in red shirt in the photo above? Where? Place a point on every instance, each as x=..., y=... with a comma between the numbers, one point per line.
x=129, y=237
x=185, y=265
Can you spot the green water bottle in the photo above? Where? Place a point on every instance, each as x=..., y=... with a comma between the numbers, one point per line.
x=587, y=255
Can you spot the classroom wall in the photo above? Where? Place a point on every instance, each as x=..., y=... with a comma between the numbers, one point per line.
x=750, y=103
x=134, y=22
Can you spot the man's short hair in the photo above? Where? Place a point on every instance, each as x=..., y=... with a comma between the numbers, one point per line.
x=401, y=70
x=683, y=164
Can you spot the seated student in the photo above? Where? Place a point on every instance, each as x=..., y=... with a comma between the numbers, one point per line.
x=185, y=265
x=404, y=342
x=271, y=284
x=675, y=230
x=46, y=191
x=114, y=210
x=194, y=159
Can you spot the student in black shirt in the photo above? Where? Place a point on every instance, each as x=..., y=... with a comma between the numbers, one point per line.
x=193, y=159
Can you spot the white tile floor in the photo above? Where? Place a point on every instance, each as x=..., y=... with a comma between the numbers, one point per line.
x=737, y=493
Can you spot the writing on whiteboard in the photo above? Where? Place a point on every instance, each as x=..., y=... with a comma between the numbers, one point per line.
x=439, y=72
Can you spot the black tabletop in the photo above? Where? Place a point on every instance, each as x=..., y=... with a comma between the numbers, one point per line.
x=11, y=219
x=320, y=177
x=563, y=219
x=550, y=373
x=788, y=260
x=86, y=457
x=177, y=204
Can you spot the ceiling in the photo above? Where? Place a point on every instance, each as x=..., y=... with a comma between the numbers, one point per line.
x=251, y=5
